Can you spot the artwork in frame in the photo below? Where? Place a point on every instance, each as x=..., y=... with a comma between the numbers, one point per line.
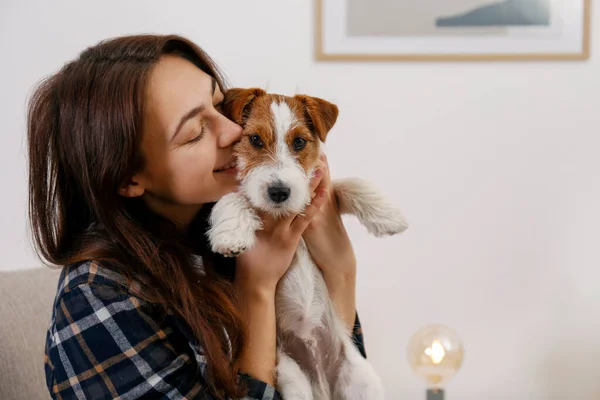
x=447, y=30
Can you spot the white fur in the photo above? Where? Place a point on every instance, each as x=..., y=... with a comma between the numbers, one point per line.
x=358, y=381
x=306, y=317
x=302, y=298
x=291, y=379
x=361, y=198
x=283, y=121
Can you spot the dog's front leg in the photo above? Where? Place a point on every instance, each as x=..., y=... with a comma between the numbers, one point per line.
x=376, y=212
x=233, y=225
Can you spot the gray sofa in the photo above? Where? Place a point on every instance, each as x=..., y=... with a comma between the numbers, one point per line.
x=25, y=307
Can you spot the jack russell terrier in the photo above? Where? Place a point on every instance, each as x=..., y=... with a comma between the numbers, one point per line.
x=276, y=160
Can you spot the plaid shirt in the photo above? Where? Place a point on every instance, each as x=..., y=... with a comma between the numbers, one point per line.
x=104, y=342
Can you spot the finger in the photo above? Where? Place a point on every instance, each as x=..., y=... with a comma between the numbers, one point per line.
x=303, y=220
x=322, y=186
x=326, y=180
x=324, y=160
x=316, y=178
x=325, y=166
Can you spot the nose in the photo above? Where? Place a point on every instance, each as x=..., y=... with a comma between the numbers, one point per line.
x=229, y=132
x=279, y=193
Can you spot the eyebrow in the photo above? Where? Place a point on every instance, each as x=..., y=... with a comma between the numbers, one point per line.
x=194, y=111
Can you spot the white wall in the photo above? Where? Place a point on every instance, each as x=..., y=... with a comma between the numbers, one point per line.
x=495, y=164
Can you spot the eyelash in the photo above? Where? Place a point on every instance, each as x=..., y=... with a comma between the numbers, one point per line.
x=198, y=136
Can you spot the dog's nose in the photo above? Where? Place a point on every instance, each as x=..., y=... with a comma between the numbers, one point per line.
x=279, y=193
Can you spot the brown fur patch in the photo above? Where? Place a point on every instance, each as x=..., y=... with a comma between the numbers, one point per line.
x=259, y=122
x=319, y=115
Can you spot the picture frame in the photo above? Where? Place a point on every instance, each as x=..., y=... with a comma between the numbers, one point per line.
x=410, y=30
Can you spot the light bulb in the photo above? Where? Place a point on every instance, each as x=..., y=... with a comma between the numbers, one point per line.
x=435, y=353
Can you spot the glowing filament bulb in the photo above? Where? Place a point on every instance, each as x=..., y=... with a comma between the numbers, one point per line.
x=436, y=352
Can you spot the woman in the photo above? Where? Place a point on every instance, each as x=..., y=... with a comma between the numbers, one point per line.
x=128, y=150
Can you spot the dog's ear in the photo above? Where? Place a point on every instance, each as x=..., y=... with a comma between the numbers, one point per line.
x=236, y=103
x=320, y=114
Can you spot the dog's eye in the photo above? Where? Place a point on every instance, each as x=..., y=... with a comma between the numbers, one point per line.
x=256, y=141
x=299, y=143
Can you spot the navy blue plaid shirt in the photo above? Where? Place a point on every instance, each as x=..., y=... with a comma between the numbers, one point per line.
x=104, y=342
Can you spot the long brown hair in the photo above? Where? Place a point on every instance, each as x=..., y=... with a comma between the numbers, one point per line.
x=84, y=136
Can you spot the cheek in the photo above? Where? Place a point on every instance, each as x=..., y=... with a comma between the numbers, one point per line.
x=194, y=166
x=188, y=174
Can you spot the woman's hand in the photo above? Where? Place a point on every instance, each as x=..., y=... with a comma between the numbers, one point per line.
x=329, y=245
x=326, y=235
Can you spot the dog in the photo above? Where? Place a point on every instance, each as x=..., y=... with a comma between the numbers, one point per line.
x=276, y=160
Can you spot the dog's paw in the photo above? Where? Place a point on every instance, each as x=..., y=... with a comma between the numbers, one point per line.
x=233, y=226
x=231, y=243
x=232, y=236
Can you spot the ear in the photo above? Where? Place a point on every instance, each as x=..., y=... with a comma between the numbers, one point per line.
x=320, y=114
x=132, y=188
x=236, y=103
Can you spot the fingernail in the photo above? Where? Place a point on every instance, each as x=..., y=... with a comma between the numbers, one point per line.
x=322, y=193
x=318, y=173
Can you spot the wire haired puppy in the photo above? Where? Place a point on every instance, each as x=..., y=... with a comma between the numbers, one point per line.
x=276, y=160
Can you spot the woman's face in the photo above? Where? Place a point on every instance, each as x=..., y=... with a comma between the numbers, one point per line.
x=187, y=142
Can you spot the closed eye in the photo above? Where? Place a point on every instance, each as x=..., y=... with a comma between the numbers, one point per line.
x=196, y=136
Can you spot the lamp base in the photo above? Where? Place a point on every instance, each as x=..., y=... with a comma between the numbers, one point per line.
x=435, y=394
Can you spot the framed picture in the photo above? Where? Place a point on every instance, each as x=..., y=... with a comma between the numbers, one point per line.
x=452, y=30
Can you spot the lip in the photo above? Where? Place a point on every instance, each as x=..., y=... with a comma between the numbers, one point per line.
x=228, y=167
x=231, y=171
